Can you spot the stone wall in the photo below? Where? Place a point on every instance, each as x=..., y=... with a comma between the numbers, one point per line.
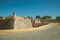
x=6, y=23
x=15, y=22
x=21, y=23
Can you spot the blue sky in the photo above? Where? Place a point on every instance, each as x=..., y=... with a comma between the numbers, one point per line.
x=30, y=7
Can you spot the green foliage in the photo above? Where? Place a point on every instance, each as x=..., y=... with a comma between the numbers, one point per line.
x=30, y=17
x=1, y=16
x=58, y=17
x=38, y=16
x=46, y=17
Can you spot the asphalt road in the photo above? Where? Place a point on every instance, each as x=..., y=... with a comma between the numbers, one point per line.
x=51, y=33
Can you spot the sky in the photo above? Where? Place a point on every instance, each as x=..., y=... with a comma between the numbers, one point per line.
x=30, y=7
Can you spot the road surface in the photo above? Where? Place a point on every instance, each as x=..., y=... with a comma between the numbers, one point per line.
x=50, y=33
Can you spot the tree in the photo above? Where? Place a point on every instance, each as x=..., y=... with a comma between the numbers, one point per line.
x=38, y=17
x=28, y=17
x=1, y=16
x=46, y=17
x=31, y=17
x=58, y=17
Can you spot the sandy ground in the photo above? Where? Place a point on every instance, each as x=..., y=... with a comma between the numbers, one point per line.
x=27, y=30
x=47, y=32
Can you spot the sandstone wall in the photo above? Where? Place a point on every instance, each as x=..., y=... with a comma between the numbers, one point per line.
x=15, y=22
x=21, y=23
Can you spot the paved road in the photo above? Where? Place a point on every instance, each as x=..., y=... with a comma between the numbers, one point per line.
x=52, y=33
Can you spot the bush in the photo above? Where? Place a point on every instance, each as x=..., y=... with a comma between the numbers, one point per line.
x=1, y=16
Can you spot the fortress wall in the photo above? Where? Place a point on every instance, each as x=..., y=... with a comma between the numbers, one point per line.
x=15, y=22
x=21, y=23
x=7, y=23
